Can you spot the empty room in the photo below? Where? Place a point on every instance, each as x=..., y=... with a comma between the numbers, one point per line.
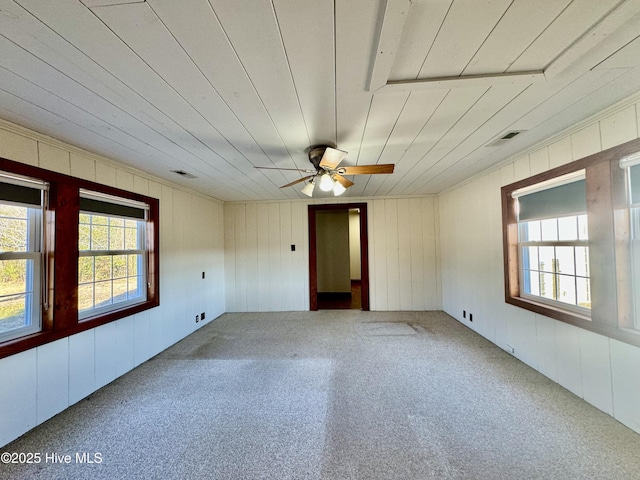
x=320, y=239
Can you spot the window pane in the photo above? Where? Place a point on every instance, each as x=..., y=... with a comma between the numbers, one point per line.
x=568, y=228
x=99, y=237
x=135, y=287
x=530, y=258
x=103, y=294
x=119, y=290
x=13, y=277
x=133, y=264
x=14, y=228
x=547, y=285
x=583, y=293
x=547, y=259
x=119, y=266
x=16, y=295
x=85, y=296
x=532, y=282
x=116, y=222
x=85, y=269
x=13, y=313
x=116, y=238
x=532, y=231
x=549, y=229
x=103, y=268
x=131, y=238
x=565, y=262
x=13, y=211
x=84, y=237
x=582, y=261
x=567, y=289
x=99, y=220
x=583, y=231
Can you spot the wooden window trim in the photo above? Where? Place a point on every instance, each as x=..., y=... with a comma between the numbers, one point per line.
x=61, y=217
x=608, y=241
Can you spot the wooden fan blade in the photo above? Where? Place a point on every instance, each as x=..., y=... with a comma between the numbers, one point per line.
x=345, y=182
x=367, y=169
x=332, y=157
x=306, y=170
x=297, y=181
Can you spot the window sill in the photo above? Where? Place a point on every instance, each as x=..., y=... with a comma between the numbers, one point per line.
x=12, y=347
x=550, y=311
x=578, y=320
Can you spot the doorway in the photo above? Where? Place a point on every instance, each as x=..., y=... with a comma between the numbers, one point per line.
x=330, y=257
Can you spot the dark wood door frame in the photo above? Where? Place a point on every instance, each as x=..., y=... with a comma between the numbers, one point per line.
x=313, y=257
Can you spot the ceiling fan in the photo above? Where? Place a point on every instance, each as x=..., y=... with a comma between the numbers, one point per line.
x=327, y=173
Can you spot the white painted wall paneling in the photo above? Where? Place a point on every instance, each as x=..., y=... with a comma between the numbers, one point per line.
x=602, y=371
x=402, y=247
x=47, y=379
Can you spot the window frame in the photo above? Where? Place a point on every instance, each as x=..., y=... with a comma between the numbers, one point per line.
x=608, y=242
x=59, y=317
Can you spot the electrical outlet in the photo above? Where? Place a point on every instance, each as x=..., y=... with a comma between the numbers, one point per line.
x=197, y=318
x=203, y=275
x=510, y=349
x=464, y=314
x=202, y=316
x=471, y=317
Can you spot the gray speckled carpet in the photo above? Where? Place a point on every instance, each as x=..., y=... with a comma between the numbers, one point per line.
x=333, y=395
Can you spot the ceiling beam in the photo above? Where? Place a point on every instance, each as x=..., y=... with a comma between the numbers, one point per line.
x=395, y=14
x=625, y=13
x=464, y=81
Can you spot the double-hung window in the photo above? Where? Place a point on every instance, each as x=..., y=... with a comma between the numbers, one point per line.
x=74, y=255
x=571, y=238
x=553, y=243
x=21, y=263
x=112, y=253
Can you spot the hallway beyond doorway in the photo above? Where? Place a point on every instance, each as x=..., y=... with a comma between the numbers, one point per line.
x=342, y=301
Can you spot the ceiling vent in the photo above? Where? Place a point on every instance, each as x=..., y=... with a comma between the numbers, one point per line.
x=184, y=174
x=504, y=138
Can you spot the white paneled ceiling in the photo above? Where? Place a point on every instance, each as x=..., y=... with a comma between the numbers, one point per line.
x=217, y=87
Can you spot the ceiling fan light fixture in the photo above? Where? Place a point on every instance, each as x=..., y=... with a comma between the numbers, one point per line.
x=326, y=182
x=308, y=189
x=338, y=189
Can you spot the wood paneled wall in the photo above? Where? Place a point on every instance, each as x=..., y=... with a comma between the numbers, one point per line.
x=47, y=379
x=601, y=370
x=263, y=274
